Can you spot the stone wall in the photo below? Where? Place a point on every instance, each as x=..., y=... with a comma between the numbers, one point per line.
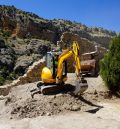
x=33, y=74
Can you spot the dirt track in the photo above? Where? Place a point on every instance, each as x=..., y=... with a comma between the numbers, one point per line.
x=60, y=111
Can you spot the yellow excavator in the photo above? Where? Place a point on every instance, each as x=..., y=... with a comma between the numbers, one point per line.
x=54, y=74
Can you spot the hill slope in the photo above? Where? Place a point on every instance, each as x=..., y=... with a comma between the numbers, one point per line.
x=24, y=24
x=26, y=37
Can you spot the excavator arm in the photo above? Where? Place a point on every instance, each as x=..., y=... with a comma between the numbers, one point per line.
x=75, y=52
x=80, y=83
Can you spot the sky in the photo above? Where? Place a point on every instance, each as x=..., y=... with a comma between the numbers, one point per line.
x=100, y=13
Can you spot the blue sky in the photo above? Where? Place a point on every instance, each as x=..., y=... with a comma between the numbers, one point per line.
x=100, y=13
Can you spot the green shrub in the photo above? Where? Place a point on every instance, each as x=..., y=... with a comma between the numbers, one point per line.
x=6, y=33
x=110, y=66
x=11, y=76
x=2, y=80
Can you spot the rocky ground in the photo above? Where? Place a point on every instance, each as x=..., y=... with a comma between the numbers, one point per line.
x=96, y=108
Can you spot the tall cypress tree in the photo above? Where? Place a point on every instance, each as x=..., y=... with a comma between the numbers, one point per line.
x=110, y=65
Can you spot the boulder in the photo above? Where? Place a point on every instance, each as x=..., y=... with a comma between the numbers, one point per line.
x=7, y=51
x=22, y=63
x=6, y=56
x=38, y=47
x=8, y=61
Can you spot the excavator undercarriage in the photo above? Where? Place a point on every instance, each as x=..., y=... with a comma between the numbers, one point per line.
x=48, y=89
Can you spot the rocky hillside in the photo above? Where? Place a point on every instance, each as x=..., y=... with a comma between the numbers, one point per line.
x=26, y=37
x=14, y=22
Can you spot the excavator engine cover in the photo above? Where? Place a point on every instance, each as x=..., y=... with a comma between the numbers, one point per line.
x=46, y=75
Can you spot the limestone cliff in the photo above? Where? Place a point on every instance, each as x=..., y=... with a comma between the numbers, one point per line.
x=15, y=22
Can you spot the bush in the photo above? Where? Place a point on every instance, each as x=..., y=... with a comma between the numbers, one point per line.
x=2, y=80
x=6, y=34
x=11, y=76
x=110, y=66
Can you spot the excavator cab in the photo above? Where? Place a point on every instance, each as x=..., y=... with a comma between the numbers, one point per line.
x=50, y=63
x=49, y=72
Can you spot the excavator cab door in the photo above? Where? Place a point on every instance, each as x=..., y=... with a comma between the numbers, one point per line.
x=50, y=63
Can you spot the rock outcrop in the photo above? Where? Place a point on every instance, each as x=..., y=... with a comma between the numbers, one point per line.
x=15, y=60
x=22, y=24
x=85, y=45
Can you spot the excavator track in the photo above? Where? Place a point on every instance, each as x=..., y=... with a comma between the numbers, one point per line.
x=47, y=89
x=36, y=90
x=78, y=88
x=51, y=89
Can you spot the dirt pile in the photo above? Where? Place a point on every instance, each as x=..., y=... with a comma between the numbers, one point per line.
x=61, y=110
x=45, y=106
x=52, y=104
x=19, y=103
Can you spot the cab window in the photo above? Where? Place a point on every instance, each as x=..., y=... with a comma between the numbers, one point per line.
x=49, y=61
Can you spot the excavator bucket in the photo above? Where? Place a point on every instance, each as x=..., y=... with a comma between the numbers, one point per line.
x=80, y=86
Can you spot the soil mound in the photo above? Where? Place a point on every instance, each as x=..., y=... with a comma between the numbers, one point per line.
x=46, y=105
